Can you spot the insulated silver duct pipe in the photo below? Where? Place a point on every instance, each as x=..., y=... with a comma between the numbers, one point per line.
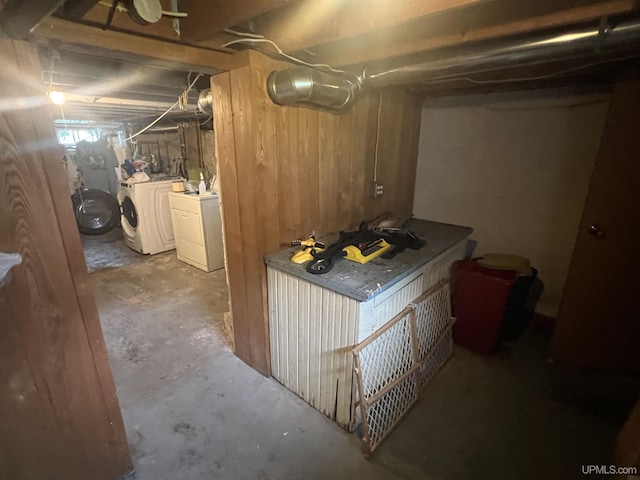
x=205, y=101
x=495, y=55
x=306, y=85
x=313, y=87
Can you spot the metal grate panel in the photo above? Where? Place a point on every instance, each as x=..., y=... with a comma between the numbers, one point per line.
x=393, y=363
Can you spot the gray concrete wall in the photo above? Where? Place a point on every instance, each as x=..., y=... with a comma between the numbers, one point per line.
x=516, y=167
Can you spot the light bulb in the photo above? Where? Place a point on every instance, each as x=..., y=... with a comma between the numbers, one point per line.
x=57, y=98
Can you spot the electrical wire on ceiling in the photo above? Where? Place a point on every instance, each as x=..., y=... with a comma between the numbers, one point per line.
x=203, y=123
x=131, y=137
x=197, y=120
x=189, y=78
x=281, y=53
x=447, y=78
x=242, y=34
x=180, y=101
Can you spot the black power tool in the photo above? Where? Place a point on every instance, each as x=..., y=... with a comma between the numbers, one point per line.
x=323, y=261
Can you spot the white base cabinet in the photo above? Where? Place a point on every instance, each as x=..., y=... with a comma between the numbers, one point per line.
x=198, y=230
x=313, y=331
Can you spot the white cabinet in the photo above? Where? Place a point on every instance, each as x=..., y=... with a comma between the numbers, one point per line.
x=198, y=230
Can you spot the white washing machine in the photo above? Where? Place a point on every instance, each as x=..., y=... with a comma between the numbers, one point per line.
x=146, y=216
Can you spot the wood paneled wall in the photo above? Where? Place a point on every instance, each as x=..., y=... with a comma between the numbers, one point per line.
x=60, y=413
x=287, y=171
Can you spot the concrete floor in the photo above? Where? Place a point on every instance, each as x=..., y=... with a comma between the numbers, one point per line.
x=193, y=410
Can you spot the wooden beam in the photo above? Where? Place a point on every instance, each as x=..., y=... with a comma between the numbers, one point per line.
x=90, y=70
x=20, y=17
x=308, y=23
x=497, y=19
x=60, y=412
x=134, y=93
x=207, y=19
x=81, y=38
x=77, y=8
x=122, y=22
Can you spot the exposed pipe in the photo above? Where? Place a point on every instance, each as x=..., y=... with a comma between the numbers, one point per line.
x=205, y=101
x=500, y=54
x=313, y=87
x=170, y=128
x=304, y=85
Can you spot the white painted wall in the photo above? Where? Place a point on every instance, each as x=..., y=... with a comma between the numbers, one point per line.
x=516, y=167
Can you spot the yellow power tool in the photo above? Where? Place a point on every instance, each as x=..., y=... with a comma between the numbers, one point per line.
x=308, y=245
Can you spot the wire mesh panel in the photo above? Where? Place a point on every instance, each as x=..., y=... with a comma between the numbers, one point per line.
x=385, y=369
x=433, y=314
x=385, y=414
x=387, y=358
x=392, y=364
x=433, y=327
x=440, y=353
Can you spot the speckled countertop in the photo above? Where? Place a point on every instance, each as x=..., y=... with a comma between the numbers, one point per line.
x=363, y=282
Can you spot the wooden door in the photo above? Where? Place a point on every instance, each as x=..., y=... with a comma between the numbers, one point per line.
x=599, y=320
x=60, y=413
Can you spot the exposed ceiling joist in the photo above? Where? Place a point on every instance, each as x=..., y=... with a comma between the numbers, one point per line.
x=77, y=37
x=122, y=110
x=104, y=112
x=89, y=86
x=78, y=8
x=92, y=70
x=163, y=29
x=120, y=101
x=206, y=19
x=19, y=17
x=309, y=23
x=151, y=64
x=495, y=19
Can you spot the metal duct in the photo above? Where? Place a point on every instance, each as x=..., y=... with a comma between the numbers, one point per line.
x=506, y=53
x=305, y=85
x=205, y=101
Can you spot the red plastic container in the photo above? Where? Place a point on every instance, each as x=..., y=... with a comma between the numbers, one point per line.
x=480, y=300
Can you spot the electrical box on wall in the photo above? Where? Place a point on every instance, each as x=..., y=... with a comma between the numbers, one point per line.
x=377, y=189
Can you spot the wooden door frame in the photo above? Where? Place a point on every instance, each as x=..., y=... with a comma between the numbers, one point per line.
x=56, y=370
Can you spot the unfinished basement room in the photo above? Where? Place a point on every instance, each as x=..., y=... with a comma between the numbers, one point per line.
x=297, y=239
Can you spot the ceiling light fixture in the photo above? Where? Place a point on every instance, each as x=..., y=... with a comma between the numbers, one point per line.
x=57, y=98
